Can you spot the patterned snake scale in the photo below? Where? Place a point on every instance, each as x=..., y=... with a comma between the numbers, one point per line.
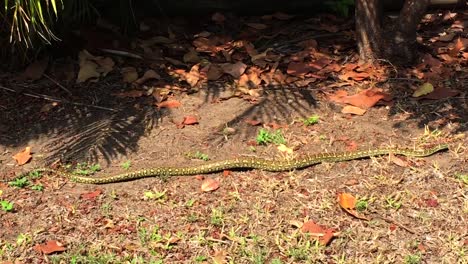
x=243, y=163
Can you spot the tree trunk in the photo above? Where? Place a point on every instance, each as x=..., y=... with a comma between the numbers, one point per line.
x=394, y=41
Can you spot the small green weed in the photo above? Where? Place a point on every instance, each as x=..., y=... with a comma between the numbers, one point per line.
x=155, y=195
x=413, y=259
x=19, y=182
x=200, y=259
x=462, y=177
x=126, y=165
x=265, y=137
x=217, y=217
x=6, y=205
x=37, y=187
x=312, y=120
x=392, y=203
x=362, y=205
x=198, y=155
x=86, y=169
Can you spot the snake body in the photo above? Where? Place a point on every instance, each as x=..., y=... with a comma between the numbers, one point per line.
x=244, y=163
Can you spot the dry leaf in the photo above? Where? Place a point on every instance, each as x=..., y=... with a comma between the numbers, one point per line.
x=348, y=203
x=130, y=74
x=364, y=99
x=88, y=70
x=235, y=70
x=193, y=76
x=91, y=195
x=23, y=157
x=190, y=120
x=322, y=234
x=349, y=109
x=440, y=93
x=214, y=72
x=169, y=104
x=424, y=89
x=49, y=247
x=149, y=75
x=191, y=57
x=106, y=65
x=209, y=185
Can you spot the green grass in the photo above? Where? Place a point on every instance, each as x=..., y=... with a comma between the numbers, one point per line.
x=312, y=120
x=19, y=182
x=126, y=165
x=265, y=137
x=86, y=169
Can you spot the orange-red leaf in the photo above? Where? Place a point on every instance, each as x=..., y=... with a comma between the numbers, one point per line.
x=169, y=104
x=49, y=247
x=209, y=185
x=364, y=99
x=347, y=201
x=23, y=157
x=190, y=120
x=322, y=234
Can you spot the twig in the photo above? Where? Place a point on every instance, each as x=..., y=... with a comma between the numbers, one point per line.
x=391, y=221
x=58, y=84
x=53, y=99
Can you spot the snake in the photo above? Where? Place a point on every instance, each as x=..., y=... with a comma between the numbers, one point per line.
x=241, y=163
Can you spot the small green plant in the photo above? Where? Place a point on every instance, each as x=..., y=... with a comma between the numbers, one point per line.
x=312, y=120
x=190, y=202
x=126, y=165
x=217, y=217
x=265, y=137
x=6, y=205
x=276, y=261
x=37, y=187
x=86, y=169
x=462, y=177
x=19, y=182
x=392, y=203
x=413, y=259
x=362, y=205
x=200, y=258
x=155, y=195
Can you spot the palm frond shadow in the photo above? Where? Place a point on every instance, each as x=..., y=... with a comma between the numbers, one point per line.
x=277, y=105
x=102, y=136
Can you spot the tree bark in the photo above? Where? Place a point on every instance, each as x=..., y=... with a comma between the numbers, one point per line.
x=369, y=29
x=394, y=41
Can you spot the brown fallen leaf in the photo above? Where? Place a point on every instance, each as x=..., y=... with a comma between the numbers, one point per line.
x=321, y=233
x=49, y=247
x=235, y=70
x=129, y=74
x=440, y=93
x=148, y=75
x=190, y=120
x=23, y=157
x=209, y=185
x=169, y=104
x=365, y=99
x=348, y=203
x=91, y=195
x=349, y=109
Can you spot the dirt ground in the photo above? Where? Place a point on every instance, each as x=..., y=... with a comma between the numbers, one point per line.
x=416, y=211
